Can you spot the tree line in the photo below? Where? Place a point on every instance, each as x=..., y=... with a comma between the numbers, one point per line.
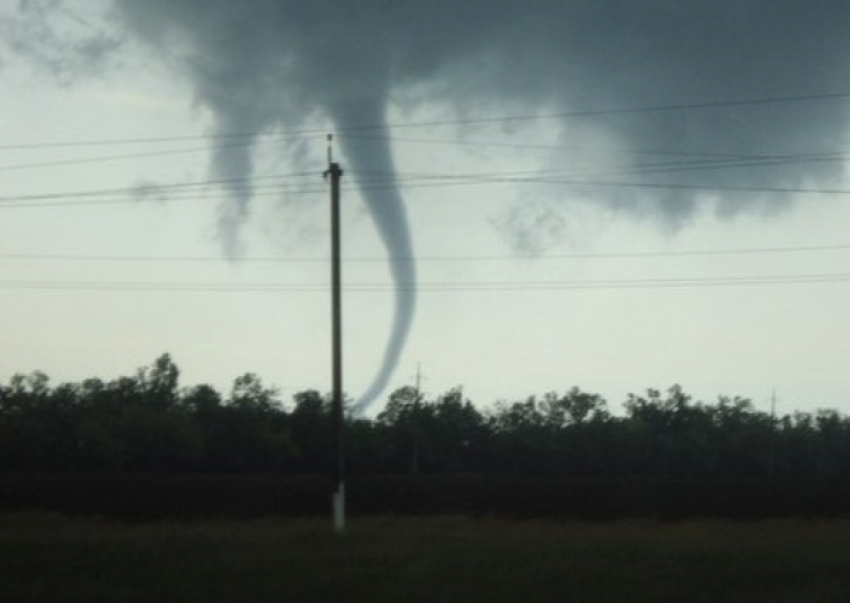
x=147, y=423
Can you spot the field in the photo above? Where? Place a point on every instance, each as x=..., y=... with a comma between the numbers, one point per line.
x=53, y=558
x=149, y=497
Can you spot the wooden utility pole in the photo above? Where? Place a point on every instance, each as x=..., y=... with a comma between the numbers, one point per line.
x=414, y=464
x=771, y=466
x=334, y=171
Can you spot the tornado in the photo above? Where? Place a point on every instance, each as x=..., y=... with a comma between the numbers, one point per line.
x=387, y=209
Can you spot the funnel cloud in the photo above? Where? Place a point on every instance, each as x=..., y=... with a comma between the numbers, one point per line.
x=261, y=65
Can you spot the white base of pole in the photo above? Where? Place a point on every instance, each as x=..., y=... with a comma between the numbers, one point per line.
x=338, y=503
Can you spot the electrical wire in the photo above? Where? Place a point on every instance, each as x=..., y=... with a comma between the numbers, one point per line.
x=139, y=155
x=155, y=189
x=425, y=258
x=477, y=143
x=434, y=287
x=150, y=188
x=436, y=181
x=695, y=106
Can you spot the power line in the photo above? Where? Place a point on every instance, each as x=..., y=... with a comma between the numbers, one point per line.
x=461, y=181
x=720, y=160
x=712, y=165
x=695, y=106
x=775, y=100
x=139, y=155
x=157, y=191
x=154, y=189
x=477, y=143
x=288, y=135
x=148, y=188
x=424, y=258
x=444, y=287
x=687, y=187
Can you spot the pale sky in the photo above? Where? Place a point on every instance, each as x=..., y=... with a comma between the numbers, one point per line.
x=99, y=289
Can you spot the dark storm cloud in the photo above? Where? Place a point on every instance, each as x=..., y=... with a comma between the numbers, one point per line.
x=265, y=64
x=58, y=39
x=274, y=63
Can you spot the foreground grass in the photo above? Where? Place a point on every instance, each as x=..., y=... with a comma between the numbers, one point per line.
x=48, y=558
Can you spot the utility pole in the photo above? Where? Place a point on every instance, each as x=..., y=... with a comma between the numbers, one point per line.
x=334, y=171
x=771, y=467
x=414, y=463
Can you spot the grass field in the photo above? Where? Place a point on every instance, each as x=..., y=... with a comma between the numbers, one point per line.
x=50, y=558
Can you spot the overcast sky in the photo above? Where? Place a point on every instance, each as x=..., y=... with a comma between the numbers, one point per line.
x=614, y=198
